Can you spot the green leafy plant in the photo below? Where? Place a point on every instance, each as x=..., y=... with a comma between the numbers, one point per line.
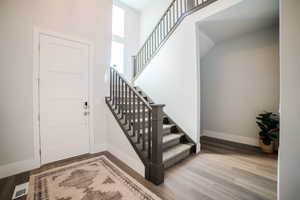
x=268, y=122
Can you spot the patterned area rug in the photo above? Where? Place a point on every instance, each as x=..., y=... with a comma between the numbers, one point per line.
x=94, y=179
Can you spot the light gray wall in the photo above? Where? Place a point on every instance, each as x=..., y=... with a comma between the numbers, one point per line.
x=239, y=80
x=89, y=20
x=289, y=159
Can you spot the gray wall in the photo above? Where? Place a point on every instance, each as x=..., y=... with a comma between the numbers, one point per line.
x=90, y=20
x=240, y=79
x=289, y=158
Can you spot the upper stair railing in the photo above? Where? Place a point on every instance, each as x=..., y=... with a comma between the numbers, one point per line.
x=172, y=17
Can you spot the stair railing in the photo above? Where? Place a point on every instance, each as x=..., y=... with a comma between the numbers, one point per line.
x=140, y=121
x=167, y=24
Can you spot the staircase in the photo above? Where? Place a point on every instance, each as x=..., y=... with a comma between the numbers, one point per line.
x=156, y=138
x=158, y=141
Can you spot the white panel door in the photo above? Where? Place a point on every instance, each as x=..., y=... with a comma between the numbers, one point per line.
x=64, y=87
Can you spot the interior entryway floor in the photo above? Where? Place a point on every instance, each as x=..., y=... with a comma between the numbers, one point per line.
x=222, y=171
x=225, y=171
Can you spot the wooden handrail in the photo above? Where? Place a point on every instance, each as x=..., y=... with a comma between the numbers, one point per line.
x=172, y=17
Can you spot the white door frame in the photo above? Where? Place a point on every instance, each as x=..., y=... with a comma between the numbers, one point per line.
x=36, y=74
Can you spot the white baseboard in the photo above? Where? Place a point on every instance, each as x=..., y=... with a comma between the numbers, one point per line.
x=99, y=148
x=231, y=138
x=135, y=164
x=18, y=167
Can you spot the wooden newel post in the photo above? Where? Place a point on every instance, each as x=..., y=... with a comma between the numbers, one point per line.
x=156, y=168
x=134, y=70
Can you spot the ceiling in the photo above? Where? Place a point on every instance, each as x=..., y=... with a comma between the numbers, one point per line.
x=136, y=4
x=247, y=16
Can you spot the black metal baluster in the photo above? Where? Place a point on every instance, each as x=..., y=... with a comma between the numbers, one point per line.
x=130, y=110
x=134, y=115
x=147, y=52
x=122, y=98
x=152, y=45
x=142, y=58
x=116, y=89
x=119, y=95
x=159, y=33
x=138, y=63
x=149, y=133
x=155, y=39
x=139, y=120
x=116, y=104
x=169, y=18
x=113, y=86
x=181, y=8
x=110, y=84
x=149, y=48
x=126, y=104
x=173, y=8
x=177, y=9
x=144, y=126
x=166, y=27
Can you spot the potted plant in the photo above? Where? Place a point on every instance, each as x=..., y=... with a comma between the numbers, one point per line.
x=268, y=122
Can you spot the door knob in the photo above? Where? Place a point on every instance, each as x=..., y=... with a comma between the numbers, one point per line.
x=86, y=105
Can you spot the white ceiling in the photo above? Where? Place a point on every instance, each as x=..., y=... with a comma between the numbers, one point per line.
x=136, y=4
x=246, y=17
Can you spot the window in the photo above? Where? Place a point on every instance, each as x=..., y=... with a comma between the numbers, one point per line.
x=118, y=44
x=117, y=55
x=118, y=21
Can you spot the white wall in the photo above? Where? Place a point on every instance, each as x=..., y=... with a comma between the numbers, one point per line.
x=239, y=80
x=119, y=145
x=150, y=16
x=289, y=159
x=89, y=20
x=131, y=37
x=172, y=76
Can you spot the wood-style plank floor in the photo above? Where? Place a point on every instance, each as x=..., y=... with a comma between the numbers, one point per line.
x=222, y=171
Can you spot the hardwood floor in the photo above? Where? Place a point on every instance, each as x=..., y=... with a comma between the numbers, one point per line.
x=222, y=171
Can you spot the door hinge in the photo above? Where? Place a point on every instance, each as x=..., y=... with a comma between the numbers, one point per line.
x=39, y=117
x=40, y=152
